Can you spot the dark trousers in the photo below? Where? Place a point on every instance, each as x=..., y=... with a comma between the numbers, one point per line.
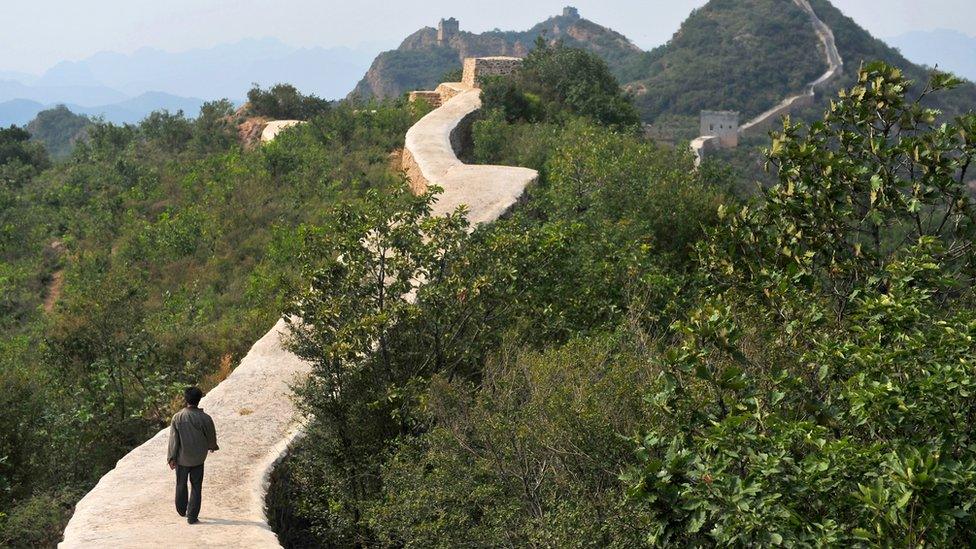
x=188, y=505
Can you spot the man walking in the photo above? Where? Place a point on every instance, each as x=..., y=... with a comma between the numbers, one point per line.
x=191, y=435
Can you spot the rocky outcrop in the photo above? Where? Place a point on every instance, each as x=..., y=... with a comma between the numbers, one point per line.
x=386, y=77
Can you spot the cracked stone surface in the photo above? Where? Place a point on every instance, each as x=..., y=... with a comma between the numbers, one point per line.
x=132, y=505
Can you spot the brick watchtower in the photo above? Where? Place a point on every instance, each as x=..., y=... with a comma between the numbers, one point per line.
x=447, y=29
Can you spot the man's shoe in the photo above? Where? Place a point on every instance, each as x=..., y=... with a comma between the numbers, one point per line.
x=192, y=521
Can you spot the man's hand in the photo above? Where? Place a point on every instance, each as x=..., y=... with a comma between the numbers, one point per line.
x=172, y=464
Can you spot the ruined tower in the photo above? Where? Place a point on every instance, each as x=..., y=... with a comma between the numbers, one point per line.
x=721, y=124
x=570, y=11
x=447, y=29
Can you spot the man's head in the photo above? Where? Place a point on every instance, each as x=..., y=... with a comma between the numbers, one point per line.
x=192, y=395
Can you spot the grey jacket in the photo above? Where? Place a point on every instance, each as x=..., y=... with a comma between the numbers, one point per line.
x=191, y=435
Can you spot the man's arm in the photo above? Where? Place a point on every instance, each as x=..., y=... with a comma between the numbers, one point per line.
x=211, y=432
x=174, y=446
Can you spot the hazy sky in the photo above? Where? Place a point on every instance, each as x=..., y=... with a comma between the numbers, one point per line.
x=39, y=33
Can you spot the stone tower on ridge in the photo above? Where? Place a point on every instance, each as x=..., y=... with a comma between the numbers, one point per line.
x=570, y=11
x=447, y=29
x=721, y=124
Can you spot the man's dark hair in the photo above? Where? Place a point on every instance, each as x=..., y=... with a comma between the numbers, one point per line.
x=192, y=395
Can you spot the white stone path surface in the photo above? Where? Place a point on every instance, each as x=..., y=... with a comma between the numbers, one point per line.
x=132, y=506
x=835, y=66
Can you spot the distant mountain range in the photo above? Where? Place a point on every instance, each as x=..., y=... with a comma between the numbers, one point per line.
x=126, y=87
x=22, y=111
x=741, y=55
x=951, y=50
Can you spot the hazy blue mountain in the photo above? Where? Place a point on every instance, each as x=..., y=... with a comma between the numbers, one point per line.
x=127, y=87
x=88, y=95
x=950, y=50
x=18, y=111
x=18, y=76
x=135, y=109
x=224, y=71
x=22, y=111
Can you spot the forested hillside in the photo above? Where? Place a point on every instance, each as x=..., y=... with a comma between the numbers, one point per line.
x=635, y=357
x=151, y=258
x=742, y=55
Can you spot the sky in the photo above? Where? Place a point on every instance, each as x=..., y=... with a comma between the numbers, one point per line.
x=45, y=32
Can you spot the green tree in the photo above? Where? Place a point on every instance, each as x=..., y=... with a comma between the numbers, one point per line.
x=820, y=392
x=283, y=101
x=363, y=268
x=556, y=81
x=20, y=159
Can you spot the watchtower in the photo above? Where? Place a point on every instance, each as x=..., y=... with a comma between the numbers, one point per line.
x=721, y=124
x=447, y=29
x=570, y=11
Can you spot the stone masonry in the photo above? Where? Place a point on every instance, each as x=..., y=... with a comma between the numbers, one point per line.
x=476, y=69
x=447, y=29
x=721, y=124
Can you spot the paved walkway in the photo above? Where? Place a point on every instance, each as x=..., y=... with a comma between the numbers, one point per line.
x=835, y=66
x=256, y=420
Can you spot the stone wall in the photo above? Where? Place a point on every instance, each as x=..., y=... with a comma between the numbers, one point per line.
x=476, y=69
x=434, y=98
x=447, y=29
x=721, y=124
x=430, y=158
x=762, y=124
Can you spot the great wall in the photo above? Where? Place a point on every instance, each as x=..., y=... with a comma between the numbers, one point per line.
x=132, y=505
x=759, y=125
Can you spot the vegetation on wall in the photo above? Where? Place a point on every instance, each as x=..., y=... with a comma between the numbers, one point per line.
x=554, y=83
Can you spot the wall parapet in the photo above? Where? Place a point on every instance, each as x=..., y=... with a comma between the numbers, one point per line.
x=430, y=158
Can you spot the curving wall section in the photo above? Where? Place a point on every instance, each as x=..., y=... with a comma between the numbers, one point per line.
x=132, y=505
x=429, y=159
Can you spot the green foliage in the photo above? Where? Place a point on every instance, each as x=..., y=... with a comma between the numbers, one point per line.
x=403, y=394
x=19, y=158
x=527, y=458
x=555, y=82
x=177, y=249
x=819, y=393
x=213, y=130
x=37, y=522
x=171, y=131
x=284, y=102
